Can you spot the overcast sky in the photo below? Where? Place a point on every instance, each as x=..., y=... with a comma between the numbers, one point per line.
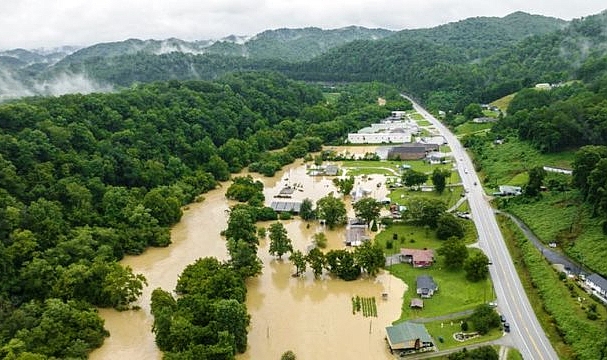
x=49, y=23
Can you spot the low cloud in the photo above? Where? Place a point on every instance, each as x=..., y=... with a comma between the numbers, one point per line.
x=64, y=83
x=67, y=83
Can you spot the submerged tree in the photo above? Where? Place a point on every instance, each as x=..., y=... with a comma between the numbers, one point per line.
x=345, y=185
x=317, y=261
x=332, y=210
x=367, y=209
x=299, y=260
x=280, y=243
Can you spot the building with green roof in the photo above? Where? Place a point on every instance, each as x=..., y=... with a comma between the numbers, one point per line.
x=409, y=336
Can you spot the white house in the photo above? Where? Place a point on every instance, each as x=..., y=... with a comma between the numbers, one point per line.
x=598, y=285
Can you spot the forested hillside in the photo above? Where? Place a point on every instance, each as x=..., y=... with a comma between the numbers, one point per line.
x=440, y=65
x=448, y=75
x=85, y=179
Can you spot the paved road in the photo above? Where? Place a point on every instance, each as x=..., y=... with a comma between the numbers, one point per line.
x=526, y=335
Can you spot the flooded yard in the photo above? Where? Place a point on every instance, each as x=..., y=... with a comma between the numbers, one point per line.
x=313, y=318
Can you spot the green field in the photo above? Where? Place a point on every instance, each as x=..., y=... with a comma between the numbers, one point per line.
x=470, y=128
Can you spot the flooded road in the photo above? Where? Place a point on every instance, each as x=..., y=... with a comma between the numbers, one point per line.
x=313, y=318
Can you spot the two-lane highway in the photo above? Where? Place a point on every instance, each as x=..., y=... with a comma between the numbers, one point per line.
x=526, y=333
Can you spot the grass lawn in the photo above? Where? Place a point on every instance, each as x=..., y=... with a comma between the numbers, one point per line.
x=447, y=328
x=514, y=354
x=455, y=293
x=445, y=148
x=470, y=127
x=356, y=171
x=450, y=196
x=417, y=165
x=417, y=116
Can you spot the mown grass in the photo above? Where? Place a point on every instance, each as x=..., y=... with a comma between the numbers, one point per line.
x=455, y=292
x=447, y=328
x=470, y=128
x=514, y=354
x=357, y=171
x=417, y=116
x=555, y=301
x=450, y=196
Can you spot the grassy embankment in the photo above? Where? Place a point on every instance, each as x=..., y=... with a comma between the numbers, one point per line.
x=555, y=216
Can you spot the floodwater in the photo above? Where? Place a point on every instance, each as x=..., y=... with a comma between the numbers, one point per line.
x=311, y=317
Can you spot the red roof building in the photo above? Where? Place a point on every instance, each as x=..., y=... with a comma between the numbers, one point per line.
x=417, y=257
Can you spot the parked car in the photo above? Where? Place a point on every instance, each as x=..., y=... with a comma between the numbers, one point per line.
x=506, y=327
x=503, y=318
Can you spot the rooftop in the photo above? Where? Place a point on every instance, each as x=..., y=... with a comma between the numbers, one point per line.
x=406, y=332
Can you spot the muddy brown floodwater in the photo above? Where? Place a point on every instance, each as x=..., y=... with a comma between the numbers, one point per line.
x=313, y=318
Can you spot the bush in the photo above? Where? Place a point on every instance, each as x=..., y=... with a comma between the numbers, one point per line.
x=285, y=215
x=288, y=355
x=464, y=326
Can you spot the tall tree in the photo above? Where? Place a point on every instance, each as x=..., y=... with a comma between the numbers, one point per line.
x=232, y=316
x=342, y=264
x=299, y=260
x=448, y=226
x=414, y=178
x=332, y=210
x=536, y=178
x=307, y=210
x=439, y=179
x=344, y=185
x=370, y=257
x=477, y=267
x=317, y=261
x=367, y=209
x=455, y=253
x=241, y=226
x=280, y=243
x=243, y=258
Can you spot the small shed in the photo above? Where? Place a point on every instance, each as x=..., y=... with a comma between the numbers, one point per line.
x=331, y=170
x=416, y=303
x=286, y=192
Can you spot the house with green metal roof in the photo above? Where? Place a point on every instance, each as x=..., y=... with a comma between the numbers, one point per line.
x=407, y=336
